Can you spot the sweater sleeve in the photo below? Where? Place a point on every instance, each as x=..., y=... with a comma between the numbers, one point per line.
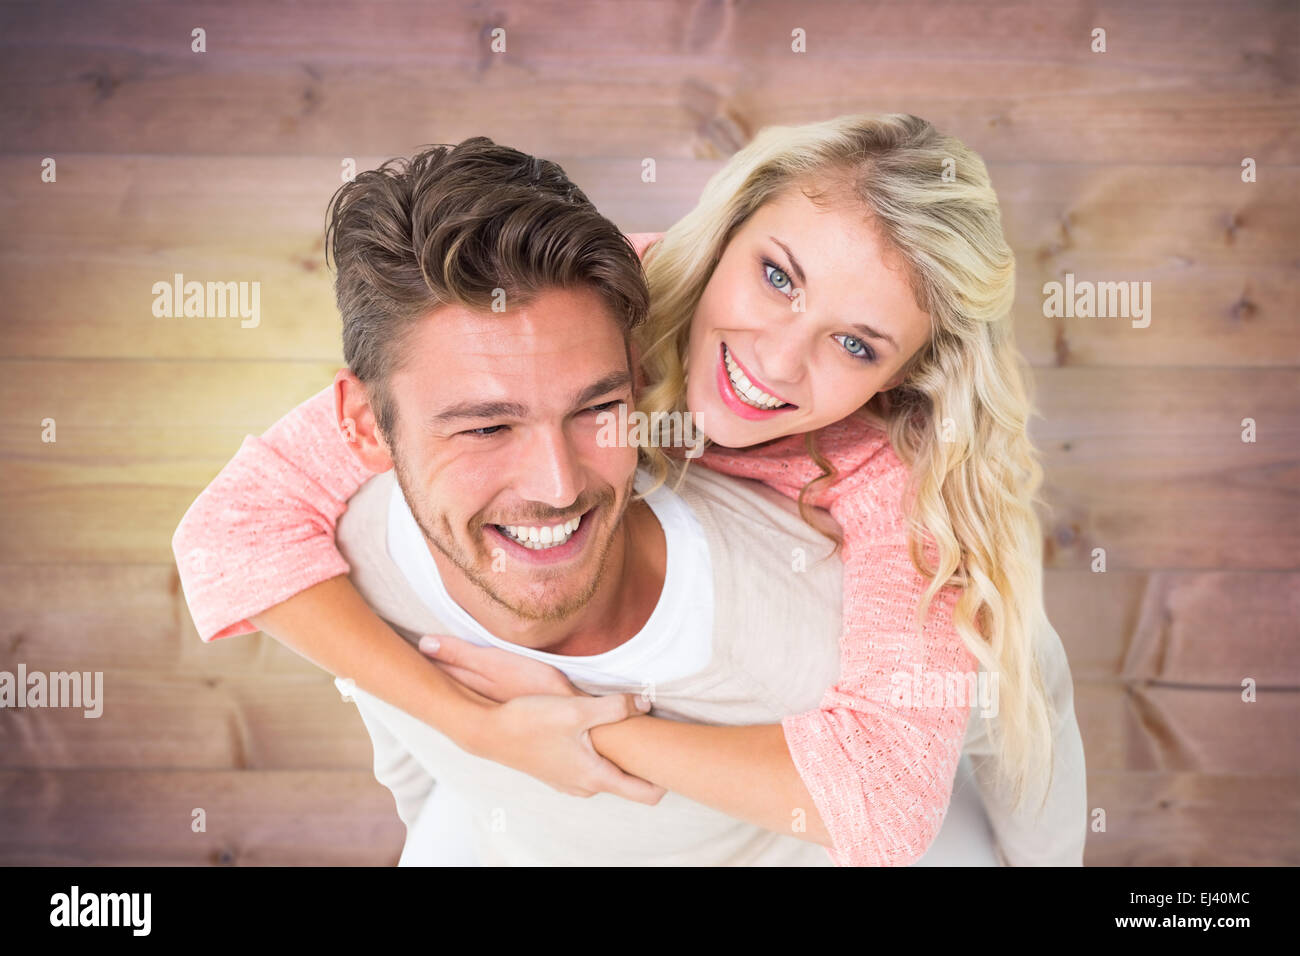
x=879, y=754
x=264, y=529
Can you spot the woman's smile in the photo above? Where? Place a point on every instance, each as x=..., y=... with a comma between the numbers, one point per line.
x=741, y=393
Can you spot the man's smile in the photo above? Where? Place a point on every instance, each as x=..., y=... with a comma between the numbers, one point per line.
x=543, y=537
x=544, y=544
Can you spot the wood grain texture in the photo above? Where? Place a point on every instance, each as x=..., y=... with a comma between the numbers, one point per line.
x=93, y=817
x=1193, y=819
x=702, y=77
x=155, y=719
x=1218, y=253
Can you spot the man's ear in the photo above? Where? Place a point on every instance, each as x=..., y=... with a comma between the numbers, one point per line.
x=357, y=422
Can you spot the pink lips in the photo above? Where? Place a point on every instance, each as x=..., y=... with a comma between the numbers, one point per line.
x=732, y=400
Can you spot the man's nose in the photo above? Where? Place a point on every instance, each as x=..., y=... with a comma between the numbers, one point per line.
x=548, y=470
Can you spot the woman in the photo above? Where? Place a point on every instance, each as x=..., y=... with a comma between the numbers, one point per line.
x=843, y=289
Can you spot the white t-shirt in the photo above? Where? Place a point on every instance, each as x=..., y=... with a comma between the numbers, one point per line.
x=676, y=641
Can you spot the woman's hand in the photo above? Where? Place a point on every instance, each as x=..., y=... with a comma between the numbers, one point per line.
x=547, y=737
x=542, y=724
x=494, y=673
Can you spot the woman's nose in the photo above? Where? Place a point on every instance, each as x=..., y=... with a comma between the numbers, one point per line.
x=782, y=355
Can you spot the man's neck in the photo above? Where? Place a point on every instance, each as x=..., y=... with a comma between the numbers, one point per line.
x=625, y=596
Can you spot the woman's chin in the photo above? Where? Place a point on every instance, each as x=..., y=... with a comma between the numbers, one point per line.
x=728, y=431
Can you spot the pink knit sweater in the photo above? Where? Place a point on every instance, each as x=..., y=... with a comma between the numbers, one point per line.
x=880, y=775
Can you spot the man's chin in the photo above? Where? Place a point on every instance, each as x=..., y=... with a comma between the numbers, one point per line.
x=543, y=605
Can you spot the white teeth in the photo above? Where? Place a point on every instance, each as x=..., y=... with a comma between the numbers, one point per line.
x=541, y=538
x=747, y=391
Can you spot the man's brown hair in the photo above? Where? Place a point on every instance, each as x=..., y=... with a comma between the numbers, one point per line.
x=452, y=225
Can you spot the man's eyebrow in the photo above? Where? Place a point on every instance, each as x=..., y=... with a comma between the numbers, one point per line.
x=798, y=269
x=605, y=384
x=476, y=410
x=498, y=409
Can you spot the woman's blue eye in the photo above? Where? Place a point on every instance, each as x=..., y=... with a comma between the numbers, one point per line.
x=781, y=284
x=856, y=347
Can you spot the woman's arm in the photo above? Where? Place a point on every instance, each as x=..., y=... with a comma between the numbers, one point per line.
x=872, y=778
x=263, y=530
x=331, y=625
x=879, y=772
x=746, y=772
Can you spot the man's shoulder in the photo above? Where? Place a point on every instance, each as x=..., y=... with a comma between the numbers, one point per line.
x=738, y=509
x=367, y=510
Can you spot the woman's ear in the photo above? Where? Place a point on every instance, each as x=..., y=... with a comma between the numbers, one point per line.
x=356, y=418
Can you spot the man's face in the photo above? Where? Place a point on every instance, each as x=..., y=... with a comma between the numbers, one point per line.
x=496, y=446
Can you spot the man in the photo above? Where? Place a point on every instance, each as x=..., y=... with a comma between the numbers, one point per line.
x=486, y=331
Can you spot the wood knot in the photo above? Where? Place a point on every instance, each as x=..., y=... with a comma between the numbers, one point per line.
x=1234, y=223
x=102, y=82
x=1243, y=309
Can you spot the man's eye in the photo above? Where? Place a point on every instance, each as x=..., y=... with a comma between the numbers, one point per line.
x=606, y=406
x=485, y=431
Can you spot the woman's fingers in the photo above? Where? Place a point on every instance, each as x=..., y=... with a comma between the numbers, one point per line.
x=444, y=647
x=471, y=679
x=511, y=674
x=611, y=708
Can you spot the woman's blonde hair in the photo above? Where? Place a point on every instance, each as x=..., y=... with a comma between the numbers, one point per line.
x=958, y=419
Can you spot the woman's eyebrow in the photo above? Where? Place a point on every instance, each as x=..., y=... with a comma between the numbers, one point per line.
x=794, y=263
x=871, y=333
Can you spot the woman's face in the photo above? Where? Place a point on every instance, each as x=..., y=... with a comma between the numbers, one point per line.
x=758, y=368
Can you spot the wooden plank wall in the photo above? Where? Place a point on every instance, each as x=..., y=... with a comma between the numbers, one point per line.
x=1123, y=165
